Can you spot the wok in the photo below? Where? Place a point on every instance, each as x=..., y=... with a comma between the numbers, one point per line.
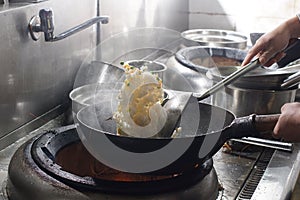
x=166, y=155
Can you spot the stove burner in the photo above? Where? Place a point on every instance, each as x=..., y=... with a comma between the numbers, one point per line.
x=45, y=164
x=62, y=155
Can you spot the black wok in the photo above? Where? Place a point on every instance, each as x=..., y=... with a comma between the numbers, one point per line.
x=166, y=155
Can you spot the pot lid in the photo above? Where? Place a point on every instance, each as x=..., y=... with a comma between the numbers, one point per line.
x=260, y=78
x=261, y=72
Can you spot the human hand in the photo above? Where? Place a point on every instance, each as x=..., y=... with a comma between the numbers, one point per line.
x=269, y=47
x=288, y=125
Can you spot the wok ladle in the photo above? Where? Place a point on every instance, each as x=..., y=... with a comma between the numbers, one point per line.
x=228, y=80
x=176, y=103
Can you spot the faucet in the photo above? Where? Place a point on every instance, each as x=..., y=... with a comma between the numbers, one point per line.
x=44, y=23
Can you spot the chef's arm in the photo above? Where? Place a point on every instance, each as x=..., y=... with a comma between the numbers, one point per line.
x=269, y=47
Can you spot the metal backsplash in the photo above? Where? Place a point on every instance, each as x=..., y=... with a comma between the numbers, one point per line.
x=127, y=14
x=37, y=76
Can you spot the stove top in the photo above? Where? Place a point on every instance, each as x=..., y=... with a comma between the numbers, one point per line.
x=29, y=172
x=242, y=173
x=61, y=154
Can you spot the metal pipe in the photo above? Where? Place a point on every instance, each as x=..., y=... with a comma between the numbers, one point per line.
x=284, y=146
x=102, y=19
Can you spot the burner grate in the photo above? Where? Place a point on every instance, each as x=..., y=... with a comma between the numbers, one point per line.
x=255, y=175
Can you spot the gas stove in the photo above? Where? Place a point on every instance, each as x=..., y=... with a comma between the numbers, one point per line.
x=242, y=172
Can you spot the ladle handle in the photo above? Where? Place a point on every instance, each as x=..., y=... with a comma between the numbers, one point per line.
x=229, y=79
x=292, y=54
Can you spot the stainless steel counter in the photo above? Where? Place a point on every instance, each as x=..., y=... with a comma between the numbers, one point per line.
x=7, y=153
x=280, y=177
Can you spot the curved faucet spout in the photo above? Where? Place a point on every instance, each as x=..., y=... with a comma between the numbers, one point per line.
x=102, y=19
x=45, y=23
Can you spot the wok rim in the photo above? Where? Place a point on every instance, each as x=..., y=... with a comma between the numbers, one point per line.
x=155, y=138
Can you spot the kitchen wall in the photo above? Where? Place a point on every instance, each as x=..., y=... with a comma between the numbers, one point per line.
x=128, y=14
x=244, y=16
x=37, y=76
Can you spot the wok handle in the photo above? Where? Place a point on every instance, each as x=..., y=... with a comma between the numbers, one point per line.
x=265, y=123
x=252, y=126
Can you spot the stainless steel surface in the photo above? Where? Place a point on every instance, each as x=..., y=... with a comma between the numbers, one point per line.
x=202, y=58
x=179, y=77
x=37, y=122
x=154, y=67
x=247, y=101
x=44, y=23
x=291, y=81
x=125, y=15
x=36, y=76
x=26, y=1
x=255, y=176
x=7, y=153
x=175, y=105
x=92, y=94
x=284, y=146
x=228, y=80
x=216, y=38
x=280, y=177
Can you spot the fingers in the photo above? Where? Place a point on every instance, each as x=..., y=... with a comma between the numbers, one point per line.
x=255, y=50
x=288, y=124
x=266, y=58
x=277, y=130
x=275, y=59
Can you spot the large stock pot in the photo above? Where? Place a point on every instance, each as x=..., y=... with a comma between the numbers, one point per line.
x=243, y=101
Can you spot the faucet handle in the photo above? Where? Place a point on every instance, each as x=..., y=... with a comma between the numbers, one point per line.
x=47, y=25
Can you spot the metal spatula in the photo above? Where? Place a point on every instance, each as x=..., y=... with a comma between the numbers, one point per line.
x=175, y=105
x=177, y=102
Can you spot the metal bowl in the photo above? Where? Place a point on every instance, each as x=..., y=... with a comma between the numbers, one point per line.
x=93, y=94
x=203, y=58
x=152, y=66
x=216, y=38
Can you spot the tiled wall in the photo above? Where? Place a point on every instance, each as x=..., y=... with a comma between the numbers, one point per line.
x=245, y=16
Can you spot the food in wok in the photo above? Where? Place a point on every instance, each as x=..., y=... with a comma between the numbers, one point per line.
x=140, y=112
